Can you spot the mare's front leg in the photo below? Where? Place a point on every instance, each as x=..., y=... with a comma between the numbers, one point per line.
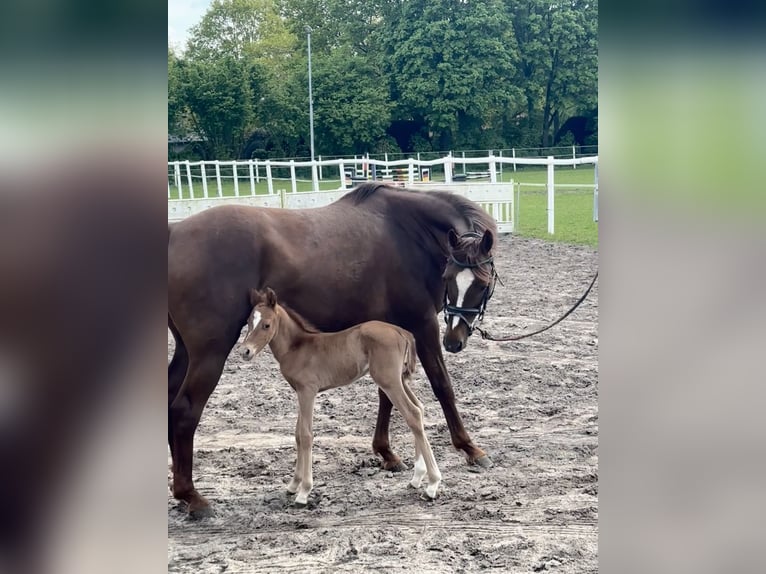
x=380, y=442
x=305, y=438
x=430, y=355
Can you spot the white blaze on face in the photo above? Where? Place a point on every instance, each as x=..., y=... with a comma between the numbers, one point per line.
x=256, y=320
x=464, y=280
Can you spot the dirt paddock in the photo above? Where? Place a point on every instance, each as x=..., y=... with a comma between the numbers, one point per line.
x=532, y=405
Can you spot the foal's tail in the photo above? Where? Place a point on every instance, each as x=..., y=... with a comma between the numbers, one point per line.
x=409, y=365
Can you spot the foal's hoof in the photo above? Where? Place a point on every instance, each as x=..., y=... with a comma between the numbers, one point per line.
x=297, y=504
x=395, y=467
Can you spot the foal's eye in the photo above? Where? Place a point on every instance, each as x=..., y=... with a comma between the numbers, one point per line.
x=266, y=326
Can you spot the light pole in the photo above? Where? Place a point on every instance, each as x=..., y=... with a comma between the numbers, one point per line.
x=311, y=96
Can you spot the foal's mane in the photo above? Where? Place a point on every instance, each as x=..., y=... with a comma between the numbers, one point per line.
x=433, y=214
x=299, y=319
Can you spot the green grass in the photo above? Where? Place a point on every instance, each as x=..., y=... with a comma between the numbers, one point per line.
x=574, y=206
x=573, y=219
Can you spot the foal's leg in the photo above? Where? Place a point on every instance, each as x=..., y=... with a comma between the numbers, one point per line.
x=292, y=487
x=304, y=431
x=430, y=355
x=420, y=464
x=393, y=385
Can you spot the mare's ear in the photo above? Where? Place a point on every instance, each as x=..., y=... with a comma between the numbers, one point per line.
x=271, y=297
x=255, y=297
x=487, y=241
x=453, y=238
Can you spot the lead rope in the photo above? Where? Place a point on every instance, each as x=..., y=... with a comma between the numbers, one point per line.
x=485, y=335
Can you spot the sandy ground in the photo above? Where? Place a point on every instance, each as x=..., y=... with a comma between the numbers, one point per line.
x=532, y=405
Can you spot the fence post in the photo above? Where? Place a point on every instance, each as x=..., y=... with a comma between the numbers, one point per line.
x=595, y=192
x=269, y=180
x=257, y=173
x=448, y=168
x=189, y=180
x=204, y=179
x=574, y=156
x=514, y=158
x=492, y=168
x=293, y=182
x=517, y=207
x=501, y=165
x=314, y=176
x=320, y=167
x=177, y=178
x=252, y=177
x=218, y=177
x=236, y=177
x=411, y=171
x=550, y=194
x=342, y=170
x=463, y=163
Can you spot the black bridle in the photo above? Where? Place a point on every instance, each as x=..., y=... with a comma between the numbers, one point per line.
x=452, y=311
x=459, y=312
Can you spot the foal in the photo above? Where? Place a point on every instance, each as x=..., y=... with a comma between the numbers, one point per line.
x=313, y=362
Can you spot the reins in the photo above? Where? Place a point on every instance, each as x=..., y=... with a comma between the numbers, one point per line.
x=485, y=335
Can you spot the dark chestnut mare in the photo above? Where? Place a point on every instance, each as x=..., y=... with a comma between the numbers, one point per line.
x=378, y=253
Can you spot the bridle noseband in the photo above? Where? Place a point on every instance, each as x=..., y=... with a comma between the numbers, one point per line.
x=453, y=311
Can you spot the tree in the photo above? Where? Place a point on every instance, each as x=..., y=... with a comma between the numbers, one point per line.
x=452, y=63
x=175, y=94
x=558, y=49
x=240, y=29
x=219, y=97
x=352, y=103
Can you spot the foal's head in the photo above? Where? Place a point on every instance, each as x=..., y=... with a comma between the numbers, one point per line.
x=262, y=324
x=470, y=280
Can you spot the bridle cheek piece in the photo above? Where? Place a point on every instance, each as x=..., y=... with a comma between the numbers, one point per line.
x=451, y=311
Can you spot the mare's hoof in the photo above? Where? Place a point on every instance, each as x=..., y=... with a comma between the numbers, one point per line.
x=484, y=462
x=200, y=512
x=397, y=467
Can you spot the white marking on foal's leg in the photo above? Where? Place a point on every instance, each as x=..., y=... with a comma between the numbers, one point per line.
x=464, y=280
x=420, y=471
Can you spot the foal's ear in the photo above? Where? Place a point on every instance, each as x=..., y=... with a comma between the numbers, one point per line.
x=271, y=297
x=453, y=239
x=487, y=241
x=255, y=297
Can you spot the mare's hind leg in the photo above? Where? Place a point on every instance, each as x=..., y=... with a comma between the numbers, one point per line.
x=380, y=441
x=430, y=355
x=201, y=378
x=176, y=373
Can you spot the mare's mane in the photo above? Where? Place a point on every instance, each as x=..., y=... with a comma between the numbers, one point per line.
x=434, y=204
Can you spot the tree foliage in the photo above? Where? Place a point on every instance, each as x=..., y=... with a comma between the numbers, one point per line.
x=387, y=74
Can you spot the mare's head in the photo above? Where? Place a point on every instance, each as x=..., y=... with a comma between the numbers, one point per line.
x=470, y=280
x=262, y=324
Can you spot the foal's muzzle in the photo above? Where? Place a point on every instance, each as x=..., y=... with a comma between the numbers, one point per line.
x=247, y=353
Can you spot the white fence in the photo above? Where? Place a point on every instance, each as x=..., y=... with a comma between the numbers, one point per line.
x=186, y=197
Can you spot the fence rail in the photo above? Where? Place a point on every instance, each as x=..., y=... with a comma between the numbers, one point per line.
x=247, y=178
